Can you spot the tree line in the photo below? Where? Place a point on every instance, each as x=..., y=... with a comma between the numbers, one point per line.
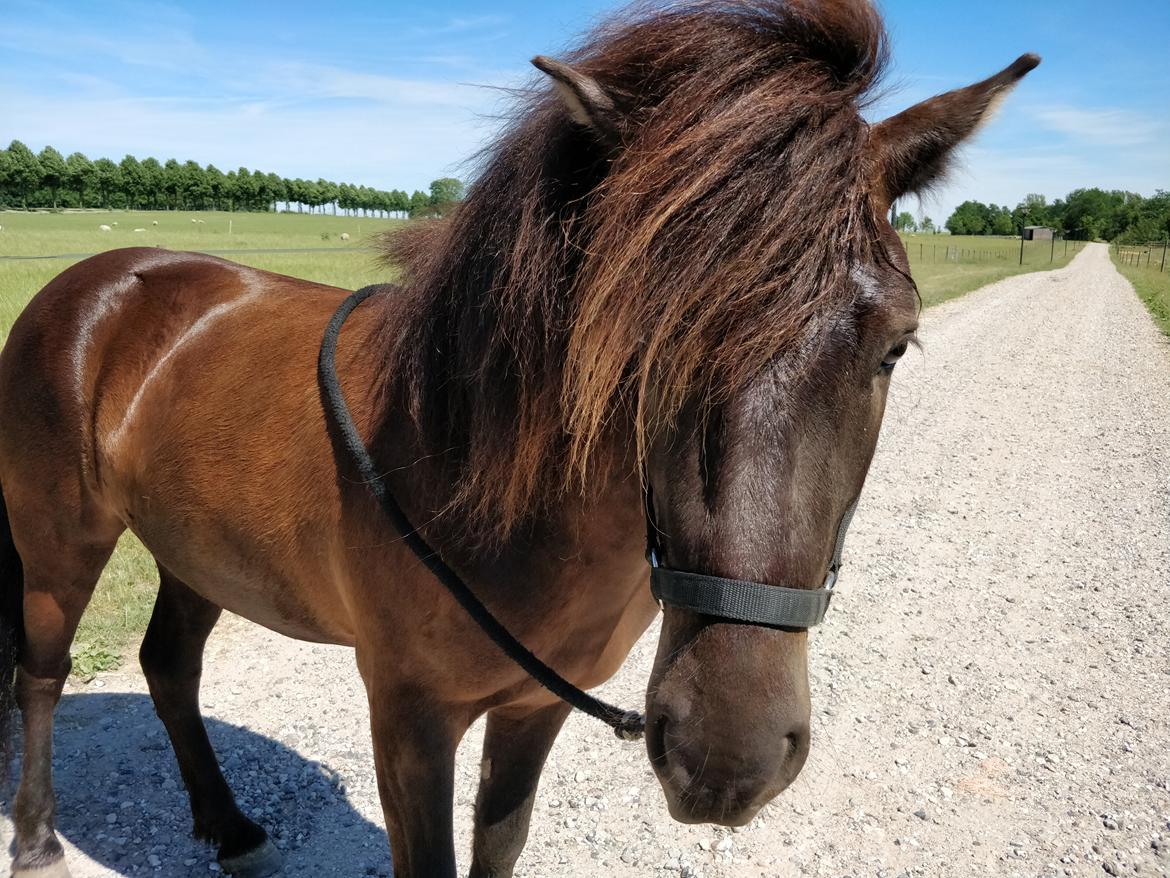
x=48, y=179
x=1084, y=214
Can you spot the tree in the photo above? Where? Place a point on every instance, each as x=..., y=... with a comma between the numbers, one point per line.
x=133, y=181
x=196, y=187
x=970, y=218
x=79, y=175
x=107, y=180
x=927, y=226
x=24, y=172
x=216, y=185
x=445, y=194
x=420, y=204
x=276, y=189
x=904, y=222
x=172, y=183
x=152, y=181
x=52, y=171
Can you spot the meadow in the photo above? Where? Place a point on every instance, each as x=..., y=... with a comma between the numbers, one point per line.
x=947, y=266
x=1143, y=267
x=35, y=247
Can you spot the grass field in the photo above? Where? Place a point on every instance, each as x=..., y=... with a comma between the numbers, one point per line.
x=946, y=266
x=943, y=266
x=1143, y=267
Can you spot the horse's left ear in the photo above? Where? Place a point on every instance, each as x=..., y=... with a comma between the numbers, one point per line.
x=909, y=151
x=585, y=99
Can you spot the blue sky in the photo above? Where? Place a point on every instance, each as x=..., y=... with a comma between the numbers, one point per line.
x=396, y=94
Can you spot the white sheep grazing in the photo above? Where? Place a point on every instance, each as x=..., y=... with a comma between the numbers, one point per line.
x=345, y=236
x=113, y=223
x=103, y=228
x=155, y=223
x=140, y=230
x=194, y=220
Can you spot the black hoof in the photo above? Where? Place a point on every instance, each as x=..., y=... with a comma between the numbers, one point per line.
x=260, y=862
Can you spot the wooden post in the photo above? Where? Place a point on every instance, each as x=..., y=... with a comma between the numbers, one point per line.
x=1021, y=246
x=1052, y=251
x=1163, y=268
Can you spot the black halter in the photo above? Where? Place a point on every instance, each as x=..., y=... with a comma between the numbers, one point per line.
x=750, y=602
x=772, y=606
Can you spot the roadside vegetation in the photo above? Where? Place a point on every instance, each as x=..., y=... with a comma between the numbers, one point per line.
x=1148, y=269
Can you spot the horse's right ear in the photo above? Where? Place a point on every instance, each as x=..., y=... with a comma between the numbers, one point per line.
x=587, y=102
x=909, y=151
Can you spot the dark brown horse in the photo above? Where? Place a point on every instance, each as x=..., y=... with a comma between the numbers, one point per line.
x=676, y=262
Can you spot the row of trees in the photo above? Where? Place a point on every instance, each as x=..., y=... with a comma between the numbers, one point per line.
x=1084, y=214
x=47, y=179
x=905, y=222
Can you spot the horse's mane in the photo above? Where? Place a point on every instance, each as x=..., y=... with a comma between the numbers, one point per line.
x=579, y=292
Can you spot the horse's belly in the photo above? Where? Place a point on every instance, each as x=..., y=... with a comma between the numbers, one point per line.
x=248, y=583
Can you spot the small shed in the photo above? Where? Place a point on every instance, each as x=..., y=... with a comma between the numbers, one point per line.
x=1037, y=233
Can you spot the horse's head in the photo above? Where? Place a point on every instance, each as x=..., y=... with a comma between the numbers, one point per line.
x=777, y=301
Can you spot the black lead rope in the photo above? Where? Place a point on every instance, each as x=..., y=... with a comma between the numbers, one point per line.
x=627, y=724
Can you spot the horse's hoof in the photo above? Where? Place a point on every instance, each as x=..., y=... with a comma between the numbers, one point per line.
x=260, y=862
x=53, y=870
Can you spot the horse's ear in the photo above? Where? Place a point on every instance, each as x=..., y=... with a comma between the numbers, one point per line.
x=909, y=151
x=587, y=102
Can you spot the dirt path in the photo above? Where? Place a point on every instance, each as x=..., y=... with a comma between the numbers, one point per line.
x=991, y=690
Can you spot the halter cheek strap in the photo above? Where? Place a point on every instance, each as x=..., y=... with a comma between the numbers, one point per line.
x=773, y=606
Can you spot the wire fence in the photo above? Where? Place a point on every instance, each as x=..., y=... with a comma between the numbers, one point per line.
x=1006, y=251
x=1154, y=255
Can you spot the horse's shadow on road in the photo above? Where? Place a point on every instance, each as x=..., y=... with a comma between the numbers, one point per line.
x=121, y=801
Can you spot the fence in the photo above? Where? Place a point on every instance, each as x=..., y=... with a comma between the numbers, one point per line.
x=1008, y=251
x=1132, y=254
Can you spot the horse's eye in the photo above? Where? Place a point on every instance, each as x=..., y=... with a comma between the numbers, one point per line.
x=895, y=354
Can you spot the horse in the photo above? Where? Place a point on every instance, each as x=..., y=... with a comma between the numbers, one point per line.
x=673, y=278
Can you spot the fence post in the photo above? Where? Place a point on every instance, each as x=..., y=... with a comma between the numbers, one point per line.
x=1021, y=246
x=1163, y=268
x=1052, y=251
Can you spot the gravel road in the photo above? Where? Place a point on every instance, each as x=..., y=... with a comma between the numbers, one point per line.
x=991, y=690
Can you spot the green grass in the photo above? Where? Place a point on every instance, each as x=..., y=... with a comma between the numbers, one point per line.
x=1142, y=269
x=947, y=266
x=122, y=602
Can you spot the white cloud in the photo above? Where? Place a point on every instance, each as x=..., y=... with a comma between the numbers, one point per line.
x=1106, y=127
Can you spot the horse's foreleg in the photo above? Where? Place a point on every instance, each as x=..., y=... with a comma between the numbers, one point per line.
x=172, y=660
x=515, y=747
x=414, y=754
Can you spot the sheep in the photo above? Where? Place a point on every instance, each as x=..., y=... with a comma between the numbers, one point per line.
x=140, y=230
x=114, y=223
x=155, y=223
x=103, y=228
x=194, y=220
x=345, y=236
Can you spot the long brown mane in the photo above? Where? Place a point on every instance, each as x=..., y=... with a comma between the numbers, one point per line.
x=583, y=289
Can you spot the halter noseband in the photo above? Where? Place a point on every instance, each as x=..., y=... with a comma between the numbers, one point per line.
x=772, y=606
